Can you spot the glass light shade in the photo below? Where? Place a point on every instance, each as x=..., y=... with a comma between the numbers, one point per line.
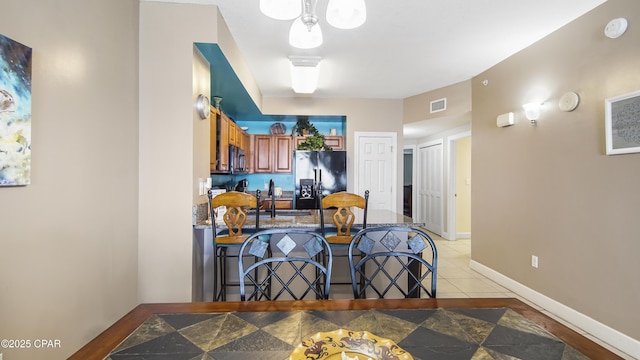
x=303, y=38
x=304, y=79
x=281, y=9
x=346, y=14
x=532, y=111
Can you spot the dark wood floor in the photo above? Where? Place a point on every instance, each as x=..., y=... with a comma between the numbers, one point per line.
x=104, y=343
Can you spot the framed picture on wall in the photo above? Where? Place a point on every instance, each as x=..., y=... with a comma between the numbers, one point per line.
x=622, y=123
x=15, y=113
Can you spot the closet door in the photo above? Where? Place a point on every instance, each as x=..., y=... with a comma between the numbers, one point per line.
x=430, y=186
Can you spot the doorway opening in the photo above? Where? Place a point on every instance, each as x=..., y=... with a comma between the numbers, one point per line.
x=459, y=200
x=409, y=178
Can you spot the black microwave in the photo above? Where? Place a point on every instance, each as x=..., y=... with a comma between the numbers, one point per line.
x=237, y=160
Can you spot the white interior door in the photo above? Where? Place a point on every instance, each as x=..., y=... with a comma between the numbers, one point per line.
x=430, y=186
x=376, y=169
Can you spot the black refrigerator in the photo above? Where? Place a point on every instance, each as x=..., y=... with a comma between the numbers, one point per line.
x=314, y=170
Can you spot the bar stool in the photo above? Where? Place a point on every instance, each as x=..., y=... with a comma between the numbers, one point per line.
x=401, y=262
x=237, y=204
x=343, y=220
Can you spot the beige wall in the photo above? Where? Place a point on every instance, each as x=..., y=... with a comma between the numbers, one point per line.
x=550, y=190
x=170, y=132
x=201, y=128
x=418, y=107
x=69, y=240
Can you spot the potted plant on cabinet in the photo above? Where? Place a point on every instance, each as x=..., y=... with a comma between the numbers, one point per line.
x=313, y=139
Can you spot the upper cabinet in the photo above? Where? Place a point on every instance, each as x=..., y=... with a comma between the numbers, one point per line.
x=283, y=155
x=336, y=142
x=235, y=134
x=213, y=138
x=223, y=142
x=225, y=133
x=272, y=154
x=261, y=153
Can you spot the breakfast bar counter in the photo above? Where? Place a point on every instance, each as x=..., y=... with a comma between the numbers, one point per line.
x=202, y=271
x=311, y=219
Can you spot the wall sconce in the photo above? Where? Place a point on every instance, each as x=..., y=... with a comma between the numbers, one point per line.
x=304, y=73
x=532, y=112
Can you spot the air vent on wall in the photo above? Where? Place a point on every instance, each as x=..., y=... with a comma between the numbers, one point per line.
x=438, y=105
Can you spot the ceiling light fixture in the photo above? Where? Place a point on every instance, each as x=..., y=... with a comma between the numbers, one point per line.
x=304, y=73
x=305, y=32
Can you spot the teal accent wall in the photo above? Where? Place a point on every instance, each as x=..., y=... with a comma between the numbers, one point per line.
x=256, y=181
x=324, y=124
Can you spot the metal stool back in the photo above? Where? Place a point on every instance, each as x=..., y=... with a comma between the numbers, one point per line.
x=391, y=262
x=288, y=262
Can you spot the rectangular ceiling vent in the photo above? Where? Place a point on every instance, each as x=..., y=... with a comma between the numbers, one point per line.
x=438, y=105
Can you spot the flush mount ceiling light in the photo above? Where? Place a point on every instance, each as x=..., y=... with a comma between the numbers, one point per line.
x=305, y=32
x=304, y=73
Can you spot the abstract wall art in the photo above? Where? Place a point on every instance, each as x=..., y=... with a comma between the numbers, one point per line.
x=622, y=123
x=15, y=113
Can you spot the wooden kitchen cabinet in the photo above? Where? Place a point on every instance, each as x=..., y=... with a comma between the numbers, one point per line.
x=250, y=158
x=273, y=154
x=213, y=137
x=234, y=131
x=336, y=142
x=245, y=144
x=263, y=154
x=284, y=152
x=224, y=133
x=280, y=204
x=223, y=142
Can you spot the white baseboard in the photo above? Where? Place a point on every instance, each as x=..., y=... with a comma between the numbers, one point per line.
x=463, y=235
x=601, y=331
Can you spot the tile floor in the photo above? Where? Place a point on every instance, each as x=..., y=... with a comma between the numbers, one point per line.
x=457, y=280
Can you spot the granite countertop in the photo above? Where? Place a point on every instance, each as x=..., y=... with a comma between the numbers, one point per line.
x=312, y=220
